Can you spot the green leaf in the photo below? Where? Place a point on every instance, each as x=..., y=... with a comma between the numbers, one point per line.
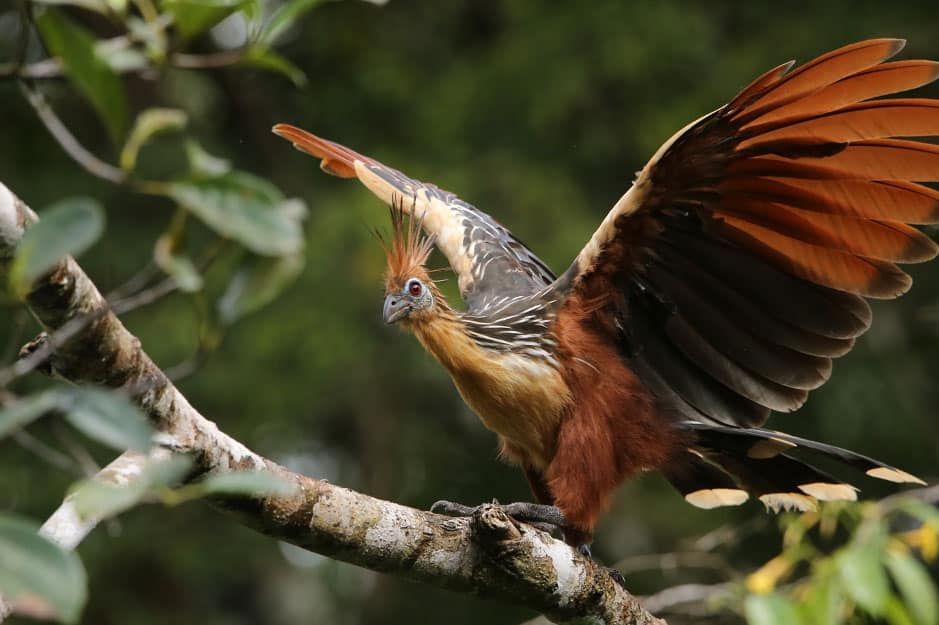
x=258, y=284
x=245, y=208
x=24, y=411
x=69, y=226
x=260, y=483
x=193, y=17
x=93, y=498
x=864, y=577
x=825, y=600
x=204, y=165
x=771, y=609
x=916, y=586
x=897, y=614
x=265, y=58
x=284, y=17
x=106, y=416
x=179, y=267
x=39, y=578
x=91, y=75
x=149, y=124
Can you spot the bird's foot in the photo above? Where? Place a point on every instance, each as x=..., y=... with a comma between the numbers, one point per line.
x=584, y=550
x=547, y=518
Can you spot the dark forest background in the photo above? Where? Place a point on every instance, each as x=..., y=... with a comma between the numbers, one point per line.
x=537, y=112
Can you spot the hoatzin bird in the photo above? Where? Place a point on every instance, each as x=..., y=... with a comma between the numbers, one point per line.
x=718, y=289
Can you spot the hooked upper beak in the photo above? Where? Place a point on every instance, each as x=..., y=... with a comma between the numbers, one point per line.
x=397, y=307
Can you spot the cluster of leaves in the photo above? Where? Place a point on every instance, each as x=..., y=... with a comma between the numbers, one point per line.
x=40, y=579
x=37, y=577
x=880, y=573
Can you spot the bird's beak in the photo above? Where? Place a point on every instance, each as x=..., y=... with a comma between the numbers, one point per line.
x=397, y=307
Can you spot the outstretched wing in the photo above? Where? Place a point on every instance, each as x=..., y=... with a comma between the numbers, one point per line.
x=735, y=268
x=490, y=263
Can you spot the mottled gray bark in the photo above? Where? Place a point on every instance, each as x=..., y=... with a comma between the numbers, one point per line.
x=487, y=554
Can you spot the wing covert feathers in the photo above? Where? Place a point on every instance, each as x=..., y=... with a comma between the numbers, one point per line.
x=738, y=262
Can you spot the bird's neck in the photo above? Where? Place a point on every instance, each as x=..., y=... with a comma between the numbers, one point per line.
x=444, y=336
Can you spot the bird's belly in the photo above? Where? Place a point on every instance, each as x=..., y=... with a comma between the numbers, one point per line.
x=522, y=400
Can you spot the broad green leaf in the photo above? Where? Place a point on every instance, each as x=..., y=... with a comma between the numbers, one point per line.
x=266, y=58
x=90, y=74
x=825, y=599
x=897, y=614
x=204, y=165
x=257, y=285
x=107, y=416
x=25, y=410
x=193, y=17
x=916, y=586
x=284, y=17
x=260, y=483
x=179, y=267
x=149, y=124
x=39, y=578
x=93, y=498
x=771, y=609
x=69, y=226
x=864, y=577
x=245, y=208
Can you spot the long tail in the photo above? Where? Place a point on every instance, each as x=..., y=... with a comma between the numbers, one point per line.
x=726, y=465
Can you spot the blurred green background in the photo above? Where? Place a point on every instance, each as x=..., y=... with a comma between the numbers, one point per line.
x=537, y=112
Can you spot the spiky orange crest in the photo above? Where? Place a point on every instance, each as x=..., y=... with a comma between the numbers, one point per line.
x=407, y=251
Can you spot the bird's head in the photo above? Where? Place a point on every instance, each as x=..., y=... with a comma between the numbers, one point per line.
x=411, y=296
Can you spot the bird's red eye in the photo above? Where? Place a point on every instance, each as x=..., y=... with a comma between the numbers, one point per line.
x=415, y=288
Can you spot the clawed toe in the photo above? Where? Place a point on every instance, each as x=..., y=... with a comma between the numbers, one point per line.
x=544, y=517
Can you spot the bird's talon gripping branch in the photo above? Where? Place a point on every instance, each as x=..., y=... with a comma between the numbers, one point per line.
x=545, y=518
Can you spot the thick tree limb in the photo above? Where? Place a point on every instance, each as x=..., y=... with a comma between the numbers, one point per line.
x=488, y=554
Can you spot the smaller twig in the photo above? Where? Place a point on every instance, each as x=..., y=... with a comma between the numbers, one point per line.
x=207, y=61
x=80, y=455
x=683, y=594
x=672, y=561
x=91, y=163
x=46, y=452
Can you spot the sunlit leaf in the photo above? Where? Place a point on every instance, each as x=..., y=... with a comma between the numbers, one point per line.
x=179, y=267
x=38, y=577
x=192, y=17
x=916, y=586
x=25, y=410
x=90, y=74
x=149, y=124
x=257, y=285
x=265, y=58
x=284, y=17
x=825, y=600
x=106, y=416
x=245, y=208
x=96, y=499
x=204, y=165
x=864, y=577
x=772, y=609
x=896, y=613
x=69, y=226
x=260, y=483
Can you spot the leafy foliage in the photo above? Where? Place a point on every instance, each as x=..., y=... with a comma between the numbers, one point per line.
x=37, y=577
x=68, y=227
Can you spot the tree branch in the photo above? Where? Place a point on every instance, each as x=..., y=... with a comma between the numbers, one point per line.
x=488, y=554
